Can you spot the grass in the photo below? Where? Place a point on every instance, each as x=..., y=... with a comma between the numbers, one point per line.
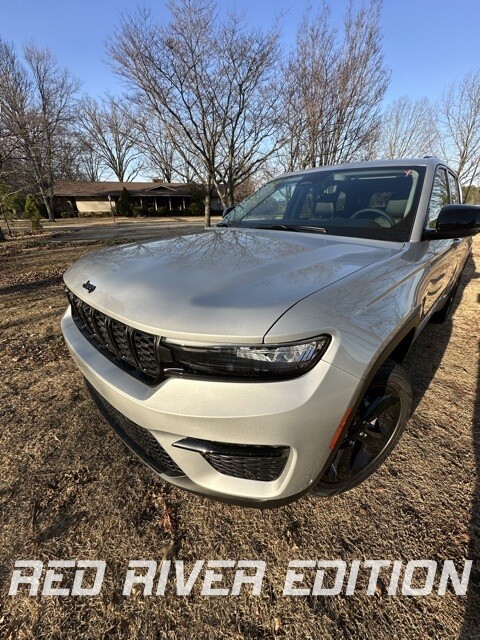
x=70, y=489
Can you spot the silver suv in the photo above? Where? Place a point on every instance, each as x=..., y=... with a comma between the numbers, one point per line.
x=261, y=359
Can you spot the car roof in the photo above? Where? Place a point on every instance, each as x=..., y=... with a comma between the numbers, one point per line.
x=426, y=161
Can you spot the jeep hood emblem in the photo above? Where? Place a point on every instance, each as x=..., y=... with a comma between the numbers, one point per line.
x=89, y=286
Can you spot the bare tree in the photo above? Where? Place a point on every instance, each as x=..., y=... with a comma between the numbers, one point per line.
x=38, y=106
x=180, y=72
x=106, y=130
x=90, y=166
x=408, y=129
x=8, y=149
x=307, y=99
x=167, y=69
x=248, y=104
x=335, y=82
x=13, y=88
x=159, y=154
x=459, y=110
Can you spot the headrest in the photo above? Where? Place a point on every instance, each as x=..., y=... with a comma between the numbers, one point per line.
x=324, y=209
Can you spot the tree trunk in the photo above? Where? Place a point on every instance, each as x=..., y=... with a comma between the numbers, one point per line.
x=208, y=198
x=230, y=191
x=48, y=204
x=6, y=222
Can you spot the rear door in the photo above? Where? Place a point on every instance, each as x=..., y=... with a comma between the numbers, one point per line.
x=445, y=259
x=462, y=246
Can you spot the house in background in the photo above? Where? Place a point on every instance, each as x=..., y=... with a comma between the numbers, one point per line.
x=87, y=198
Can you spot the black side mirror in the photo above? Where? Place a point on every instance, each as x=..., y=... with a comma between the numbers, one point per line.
x=455, y=221
x=227, y=210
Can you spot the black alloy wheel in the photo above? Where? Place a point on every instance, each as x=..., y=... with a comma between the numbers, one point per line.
x=374, y=431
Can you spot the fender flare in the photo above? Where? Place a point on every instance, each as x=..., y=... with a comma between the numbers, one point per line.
x=411, y=326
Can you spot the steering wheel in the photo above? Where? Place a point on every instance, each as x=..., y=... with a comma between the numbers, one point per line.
x=371, y=214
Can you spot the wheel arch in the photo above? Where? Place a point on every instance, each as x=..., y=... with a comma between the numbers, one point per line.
x=400, y=352
x=396, y=349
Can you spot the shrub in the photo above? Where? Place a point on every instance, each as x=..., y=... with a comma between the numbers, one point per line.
x=136, y=210
x=13, y=202
x=142, y=210
x=32, y=213
x=124, y=204
x=194, y=209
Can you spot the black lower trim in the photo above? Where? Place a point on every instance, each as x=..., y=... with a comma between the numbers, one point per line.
x=137, y=438
x=251, y=462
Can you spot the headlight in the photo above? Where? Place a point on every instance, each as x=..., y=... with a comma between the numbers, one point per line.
x=255, y=362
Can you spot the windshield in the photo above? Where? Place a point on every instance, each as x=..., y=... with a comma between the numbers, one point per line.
x=376, y=203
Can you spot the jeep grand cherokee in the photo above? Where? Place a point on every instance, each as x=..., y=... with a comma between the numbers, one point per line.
x=261, y=359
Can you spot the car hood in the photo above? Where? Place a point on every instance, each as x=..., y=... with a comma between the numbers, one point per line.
x=222, y=285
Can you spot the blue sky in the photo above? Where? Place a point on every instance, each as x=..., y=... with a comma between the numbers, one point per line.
x=427, y=43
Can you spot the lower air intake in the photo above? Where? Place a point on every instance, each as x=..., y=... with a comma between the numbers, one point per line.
x=140, y=440
x=249, y=462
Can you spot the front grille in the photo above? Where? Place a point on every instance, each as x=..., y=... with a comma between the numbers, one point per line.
x=249, y=462
x=140, y=440
x=133, y=350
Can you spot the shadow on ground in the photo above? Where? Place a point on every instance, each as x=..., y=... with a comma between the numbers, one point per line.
x=471, y=626
x=422, y=364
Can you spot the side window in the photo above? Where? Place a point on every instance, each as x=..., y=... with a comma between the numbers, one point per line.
x=454, y=194
x=438, y=199
x=273, y=206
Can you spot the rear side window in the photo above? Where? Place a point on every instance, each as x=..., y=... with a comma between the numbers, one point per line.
x=454, y=193
x=438, y=199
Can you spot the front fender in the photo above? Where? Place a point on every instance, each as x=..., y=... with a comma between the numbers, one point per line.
x=367, y=315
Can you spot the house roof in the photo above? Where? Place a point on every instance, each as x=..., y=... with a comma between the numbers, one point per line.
x=105, y=189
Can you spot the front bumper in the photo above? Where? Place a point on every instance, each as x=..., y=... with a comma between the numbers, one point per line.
x=301, y=414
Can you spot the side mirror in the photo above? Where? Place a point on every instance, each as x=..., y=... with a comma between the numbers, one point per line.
x=455, y=221
x=227, y=210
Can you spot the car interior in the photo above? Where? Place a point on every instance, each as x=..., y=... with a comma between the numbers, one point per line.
x=354, y=200
x=377, y=204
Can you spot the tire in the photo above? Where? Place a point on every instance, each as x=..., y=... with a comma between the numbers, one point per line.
x=442, y=315
x=373, y=433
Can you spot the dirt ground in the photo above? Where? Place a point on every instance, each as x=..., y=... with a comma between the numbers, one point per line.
x=70, y=489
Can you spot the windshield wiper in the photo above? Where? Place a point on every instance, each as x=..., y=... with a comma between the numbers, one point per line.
x=277, y=227
x=291, y=227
